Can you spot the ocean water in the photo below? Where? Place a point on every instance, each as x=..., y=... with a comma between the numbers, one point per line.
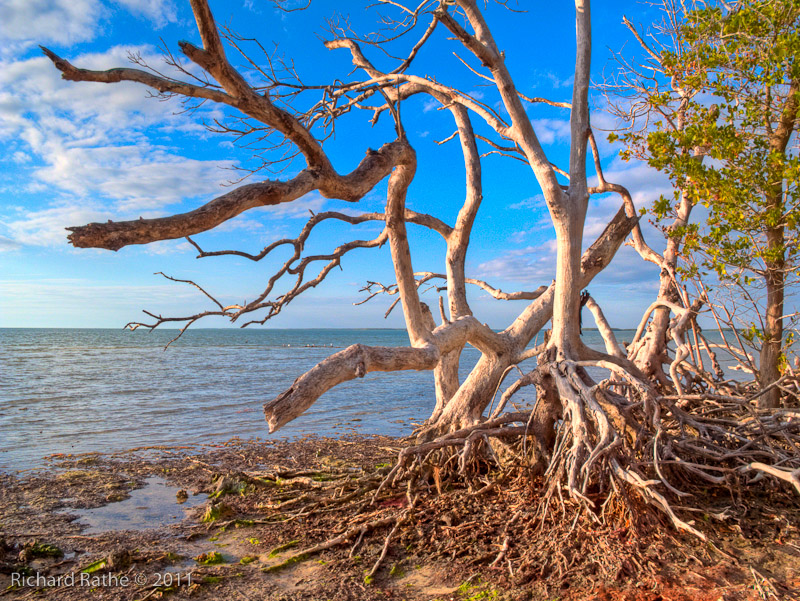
x=86, y=390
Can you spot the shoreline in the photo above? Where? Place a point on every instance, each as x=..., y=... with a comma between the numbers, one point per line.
x=233, y=480
x=107, y=390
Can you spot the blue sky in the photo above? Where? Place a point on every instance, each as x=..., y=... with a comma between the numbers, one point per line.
x=77, y=152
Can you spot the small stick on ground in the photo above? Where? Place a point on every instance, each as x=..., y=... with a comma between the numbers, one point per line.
x=343, y=538
x=400, y=521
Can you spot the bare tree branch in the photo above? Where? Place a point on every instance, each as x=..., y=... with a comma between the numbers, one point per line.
x=113, y=236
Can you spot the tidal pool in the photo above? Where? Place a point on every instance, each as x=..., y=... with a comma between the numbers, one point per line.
x=152, y=506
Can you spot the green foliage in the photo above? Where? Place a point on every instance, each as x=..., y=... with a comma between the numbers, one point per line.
x=44, y=550
x=23, y=570
x=281, y=548
x=212, y=513
x=724, y=134
x=467, y=592
x=468, y=585
x=286, y=563
x=737, y=71
x=95, y=566
x=210, y=559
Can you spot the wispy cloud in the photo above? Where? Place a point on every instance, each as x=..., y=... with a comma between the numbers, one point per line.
x=61, y=21
x=518, y=237
x=36, y=104
x=313, y=201
x=20, y=157
x=46, y=227
x=549, y=79
x=168, y=247
x=529, y=203
x=86, y=146
x=158, y=12
x=535, y=264
x=244, y=222
x=523, y=266
x=137, y=177
x=8, y=244
x=78, y=288
x=645, y=183
x=550, y=131
x=71, y=21
x=52, y=302
x=430, y=104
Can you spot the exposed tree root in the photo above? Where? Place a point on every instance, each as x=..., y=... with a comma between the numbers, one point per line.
x=618, y=449
x=617, y=458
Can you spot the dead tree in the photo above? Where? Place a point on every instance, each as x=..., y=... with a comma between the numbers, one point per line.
x=432, y=347
x=591, y=450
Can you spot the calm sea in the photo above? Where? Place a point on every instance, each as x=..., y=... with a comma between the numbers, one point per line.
x=76, y=390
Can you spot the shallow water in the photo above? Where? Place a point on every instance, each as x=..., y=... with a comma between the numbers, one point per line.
x=72, y=391
x=80, y=390
x=152, y=506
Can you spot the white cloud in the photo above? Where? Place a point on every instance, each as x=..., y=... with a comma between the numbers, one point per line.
x=312, y=201
x=138, y=186
x=8, y=244
x=43, y=21
x=168, y=247
x=430, y=104
x=253, y=220
x=629, y=272
x=552, y=80
x=90, y=141
x=601, y=211
x=644, y=183
x=36, y=104
x=529, y=203
x=535, y=265
x=525, y=266
x=551, y=130
x=518, y=237
x=20, y=157
x=47, y=227
x=244, y=222
x=27, y=22
x=138, y=177
x=158, y=12
x=49, y=292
